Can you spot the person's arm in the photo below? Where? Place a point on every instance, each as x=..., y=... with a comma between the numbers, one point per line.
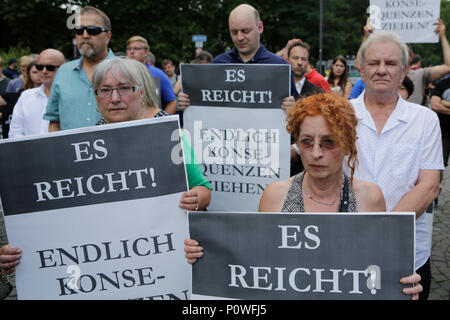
x=192, y=250
x=9, y=258
x=357, y=89
x=171, y=107
x=177, y=88
x=368, y=29
x=288, y=103
x=283, y=53
x=427, y=187
x=440, y=106
x=424, y=192
x=348, y=89
x=438, y=72
x=183, y=100
x=415, y=289
x=54, y=126
x=2, y=102
x=369, y=197
x=197, y=198
x=273, y=196
x=52, y=109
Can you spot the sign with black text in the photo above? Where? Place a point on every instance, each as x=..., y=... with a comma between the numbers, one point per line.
x=95, y=211
x=412, y=20
x=302, y=255
x=238, y=129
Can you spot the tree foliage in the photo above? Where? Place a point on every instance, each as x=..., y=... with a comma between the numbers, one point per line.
x=169, y=25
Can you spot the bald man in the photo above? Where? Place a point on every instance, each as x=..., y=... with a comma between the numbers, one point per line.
x=246, y=27
x=27, y=117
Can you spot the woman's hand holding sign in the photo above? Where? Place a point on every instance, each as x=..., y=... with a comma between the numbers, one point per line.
x=193, y=250
x=9, y=258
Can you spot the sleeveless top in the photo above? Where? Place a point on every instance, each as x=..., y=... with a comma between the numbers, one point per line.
x=337, y=90
x=294, y=198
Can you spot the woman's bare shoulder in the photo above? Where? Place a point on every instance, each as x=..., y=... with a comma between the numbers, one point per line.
x=273, y=196
x=369, y=196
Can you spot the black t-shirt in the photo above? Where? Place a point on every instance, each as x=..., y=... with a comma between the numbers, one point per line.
x=6, y=111
x=4, y=84
x=442, y=90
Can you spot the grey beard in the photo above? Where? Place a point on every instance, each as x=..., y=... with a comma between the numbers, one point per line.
x=87, y=52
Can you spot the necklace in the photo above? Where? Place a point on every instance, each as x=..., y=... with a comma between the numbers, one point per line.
x=339, y=195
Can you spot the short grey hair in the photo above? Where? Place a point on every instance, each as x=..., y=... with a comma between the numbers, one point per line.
x=100, y=13
x=390, y=36
x=132, y=71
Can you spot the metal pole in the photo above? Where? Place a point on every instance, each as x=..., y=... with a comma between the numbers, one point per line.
x=320, y=37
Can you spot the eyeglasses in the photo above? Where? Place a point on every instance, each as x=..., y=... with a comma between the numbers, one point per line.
x=106, y=92
x=91, y=30
x=49, y=67
x=325, y=143
x=134, y=49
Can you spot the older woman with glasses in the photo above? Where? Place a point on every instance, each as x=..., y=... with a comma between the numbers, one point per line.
x=125, y=92
x=324, y=127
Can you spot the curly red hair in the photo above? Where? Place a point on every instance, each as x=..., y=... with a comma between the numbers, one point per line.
x=339, y=116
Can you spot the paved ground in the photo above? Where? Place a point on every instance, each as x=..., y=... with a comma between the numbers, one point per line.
x=440, y=250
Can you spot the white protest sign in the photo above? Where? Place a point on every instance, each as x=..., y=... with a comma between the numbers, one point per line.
x=95, y=212
x=411, y=19
x=238, y=129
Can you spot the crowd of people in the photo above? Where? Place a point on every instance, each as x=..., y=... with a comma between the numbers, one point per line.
x=344, y=153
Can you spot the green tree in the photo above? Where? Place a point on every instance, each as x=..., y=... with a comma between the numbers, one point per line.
x=169, y=26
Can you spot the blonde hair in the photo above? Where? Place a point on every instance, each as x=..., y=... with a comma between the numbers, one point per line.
x=138, y=38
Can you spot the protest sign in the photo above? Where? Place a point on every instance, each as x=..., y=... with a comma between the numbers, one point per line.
x=238, y=129
x=95, y=212
x=412, y=19
x=302, y=256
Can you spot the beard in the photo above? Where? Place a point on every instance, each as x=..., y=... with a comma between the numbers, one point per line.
x=299, y=73
x=87, y=51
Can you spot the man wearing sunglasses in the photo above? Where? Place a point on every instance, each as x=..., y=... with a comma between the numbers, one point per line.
x=29, y=109
x=72, y=101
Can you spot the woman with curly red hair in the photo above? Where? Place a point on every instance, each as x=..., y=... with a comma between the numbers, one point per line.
x=324, y=128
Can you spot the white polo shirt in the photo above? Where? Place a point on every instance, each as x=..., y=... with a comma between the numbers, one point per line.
x=410, y=141
x=27, y=117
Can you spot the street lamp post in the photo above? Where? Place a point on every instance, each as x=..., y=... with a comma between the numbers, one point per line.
x=320, y=37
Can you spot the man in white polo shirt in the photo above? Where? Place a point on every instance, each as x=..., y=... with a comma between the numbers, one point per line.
x=27, y=117
x=399, y=143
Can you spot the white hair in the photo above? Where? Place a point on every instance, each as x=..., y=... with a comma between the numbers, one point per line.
x=131, y=70
x=390, y=36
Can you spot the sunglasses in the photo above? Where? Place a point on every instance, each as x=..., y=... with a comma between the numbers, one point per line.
x=91, y=30
x=49, y=67
x=324, y=144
